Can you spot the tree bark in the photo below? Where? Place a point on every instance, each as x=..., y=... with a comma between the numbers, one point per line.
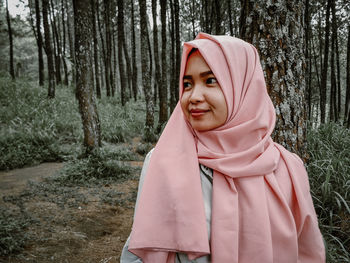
x=163, y=91
x=229, y=10
x=39, y=43
x=48, y=49
x=158, y=76
x=95, y=43
x=65, y=69
x=108, y=49
x=84, y=85
x=12, y=68
x=133, y=52
x=123, y=81
x=177, y=47
x=276, y=30
x=323, y=94
x=70, y=41
x=173, y=81
x=146, y=74
x=347, y=98
x=57, y=45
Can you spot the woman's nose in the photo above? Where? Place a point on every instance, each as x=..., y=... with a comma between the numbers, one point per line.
x=197, y=94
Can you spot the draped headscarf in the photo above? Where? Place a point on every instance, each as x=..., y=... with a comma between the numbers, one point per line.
x=261, y=205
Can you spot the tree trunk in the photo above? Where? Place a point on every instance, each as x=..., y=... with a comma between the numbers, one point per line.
x=94, y=34
x=107, y=57
x=12, y=68
x=70, y=40
x=65, y=69
x=276, y=30
x=218, y=30
x=332, y=102
x=133, y=52
x=123, y=81
x=308, y=59
x=163, y=91
x=347, y=98
x=335, y=82
x=40, y=43
x=57, y=45
x=84, y=86
x=229, y=10
x=323, y=98
x=177, y=47
x=146, y=74
x=173, y=81
x=158, y=77
x=48, y=49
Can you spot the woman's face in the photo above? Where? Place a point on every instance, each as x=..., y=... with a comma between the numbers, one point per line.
x=202, y=101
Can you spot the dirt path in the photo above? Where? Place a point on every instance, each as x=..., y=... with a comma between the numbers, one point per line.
x=67, y=223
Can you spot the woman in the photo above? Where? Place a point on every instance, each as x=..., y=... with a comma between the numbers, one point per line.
x=251, y=202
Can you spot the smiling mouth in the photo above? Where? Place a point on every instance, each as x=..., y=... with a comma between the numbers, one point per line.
x=197, y=113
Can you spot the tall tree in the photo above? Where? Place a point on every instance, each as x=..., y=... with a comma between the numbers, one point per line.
x=65, y=68
x=39, y=40
x=276, y=29
x=123, y=80
x=84, y=84
x=347, y=98
x=12, y=68
x=48, y=50
x=133, y=52
x=94, y=34
x=108, y=53
x=163, y=91
x=177, y=46
x=146, y=73
x=323, y=91
x=158, y=79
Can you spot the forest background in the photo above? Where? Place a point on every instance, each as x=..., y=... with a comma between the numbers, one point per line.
x=92, y=83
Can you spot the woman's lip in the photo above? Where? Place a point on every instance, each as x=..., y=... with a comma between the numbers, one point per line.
x=197, y=112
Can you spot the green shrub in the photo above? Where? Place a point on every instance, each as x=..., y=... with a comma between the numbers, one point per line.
x=329, y=173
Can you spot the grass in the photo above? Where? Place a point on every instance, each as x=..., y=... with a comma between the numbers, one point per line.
x=35, y=129
x=329, y=173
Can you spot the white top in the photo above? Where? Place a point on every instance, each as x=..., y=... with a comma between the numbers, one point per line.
x=206, y=175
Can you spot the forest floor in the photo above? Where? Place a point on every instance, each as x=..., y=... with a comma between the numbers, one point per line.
x=68, y=223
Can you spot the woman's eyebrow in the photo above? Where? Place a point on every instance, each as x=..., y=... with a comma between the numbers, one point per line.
x=206, y=73
x=203, y=74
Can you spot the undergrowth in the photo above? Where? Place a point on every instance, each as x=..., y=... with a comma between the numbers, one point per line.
x=35, y=129
x=329, y=175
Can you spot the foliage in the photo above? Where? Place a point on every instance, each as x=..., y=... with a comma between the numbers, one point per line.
x=12, y=236
x=36, y=129
x=329, y=173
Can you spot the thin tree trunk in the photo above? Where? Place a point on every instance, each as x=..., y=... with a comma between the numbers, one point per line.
x=40, y=43
x=146, y=73
x=70, y=40
x=48, y=49
x=133, y=52
x=323, y=98
x=229, y=10
x=57, y=46
x=218, y=30
x=163, y=91
x=94, y=35
x=173, y=81
x=12, y=68
x=157, y=80
x=347, y=98
x=332, y=102
x=177, y=47
x=123, y=81
x=84, y=86
x=65, y=69
x=288, y=95
x=107, y=57
x=307, y=58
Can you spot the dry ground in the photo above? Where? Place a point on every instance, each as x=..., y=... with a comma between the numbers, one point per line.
x=68, y=223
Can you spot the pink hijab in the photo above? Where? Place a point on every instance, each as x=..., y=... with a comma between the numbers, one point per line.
x=261, y=205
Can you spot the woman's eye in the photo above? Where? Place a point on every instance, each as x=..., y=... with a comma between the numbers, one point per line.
x=187, y=85
x=211, y=81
